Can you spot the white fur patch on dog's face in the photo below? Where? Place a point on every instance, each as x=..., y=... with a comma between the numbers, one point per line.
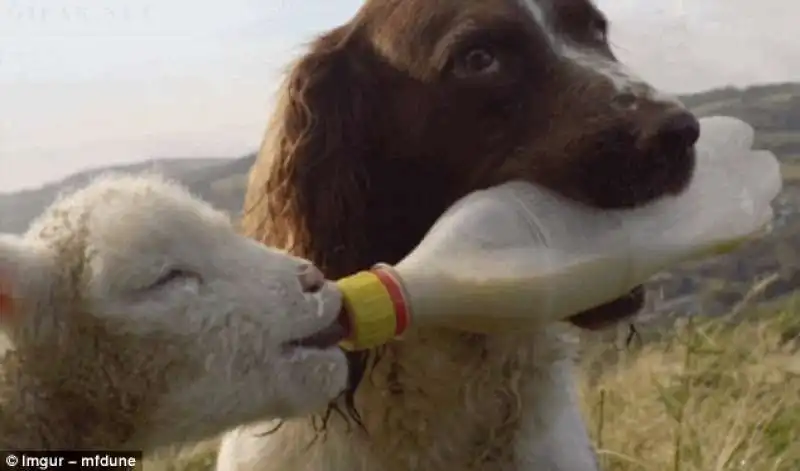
x=616, y=74
x=150, y=261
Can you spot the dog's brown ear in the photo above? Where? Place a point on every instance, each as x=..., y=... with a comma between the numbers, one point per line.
x=307, y=191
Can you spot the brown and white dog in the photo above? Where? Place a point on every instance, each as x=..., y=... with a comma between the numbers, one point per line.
x=381, y=125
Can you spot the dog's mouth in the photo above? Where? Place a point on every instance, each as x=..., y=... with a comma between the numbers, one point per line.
x=617, y=173
x=610, y=313
x=323, y=339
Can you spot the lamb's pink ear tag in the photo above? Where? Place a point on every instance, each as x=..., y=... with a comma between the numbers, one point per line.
x=6, y=300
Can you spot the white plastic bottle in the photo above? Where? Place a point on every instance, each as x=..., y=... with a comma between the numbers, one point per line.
x=517, y=255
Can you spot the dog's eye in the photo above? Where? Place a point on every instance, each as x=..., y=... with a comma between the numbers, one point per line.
x=478, y=61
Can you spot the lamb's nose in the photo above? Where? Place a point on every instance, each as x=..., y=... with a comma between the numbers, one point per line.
x=310, y=277
x=679, y=131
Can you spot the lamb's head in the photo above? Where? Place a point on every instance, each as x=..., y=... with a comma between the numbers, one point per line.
x=131, y=303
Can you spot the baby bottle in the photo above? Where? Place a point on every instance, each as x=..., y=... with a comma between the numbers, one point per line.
x=517, y=255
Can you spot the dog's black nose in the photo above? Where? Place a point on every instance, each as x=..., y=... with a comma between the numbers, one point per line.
x=678, y=131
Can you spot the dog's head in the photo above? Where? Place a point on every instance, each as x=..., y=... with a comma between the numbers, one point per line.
x=530, y=89
x=413, y=103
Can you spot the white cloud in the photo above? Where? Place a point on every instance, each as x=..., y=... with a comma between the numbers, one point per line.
x=693, y=45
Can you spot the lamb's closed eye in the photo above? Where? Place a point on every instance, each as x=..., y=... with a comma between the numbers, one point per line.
x=176, y=277
x=148, y=286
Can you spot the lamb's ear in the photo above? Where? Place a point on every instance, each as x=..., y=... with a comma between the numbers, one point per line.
x=25, y=271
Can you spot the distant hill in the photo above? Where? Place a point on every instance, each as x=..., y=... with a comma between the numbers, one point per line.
x=710, y=286
x=774, y=110
x=220, y=180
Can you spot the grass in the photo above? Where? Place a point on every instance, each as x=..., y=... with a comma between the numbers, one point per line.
x=708, y=395
x=711, y=396
x=790, y=170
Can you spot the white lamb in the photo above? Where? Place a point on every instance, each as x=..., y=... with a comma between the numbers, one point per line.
x=138, y=318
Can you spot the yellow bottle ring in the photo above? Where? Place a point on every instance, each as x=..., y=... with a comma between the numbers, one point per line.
x=370, y=310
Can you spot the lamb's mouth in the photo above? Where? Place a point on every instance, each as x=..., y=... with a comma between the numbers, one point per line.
x=326, y=338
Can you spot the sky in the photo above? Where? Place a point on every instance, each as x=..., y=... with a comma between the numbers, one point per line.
x=86, y=83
